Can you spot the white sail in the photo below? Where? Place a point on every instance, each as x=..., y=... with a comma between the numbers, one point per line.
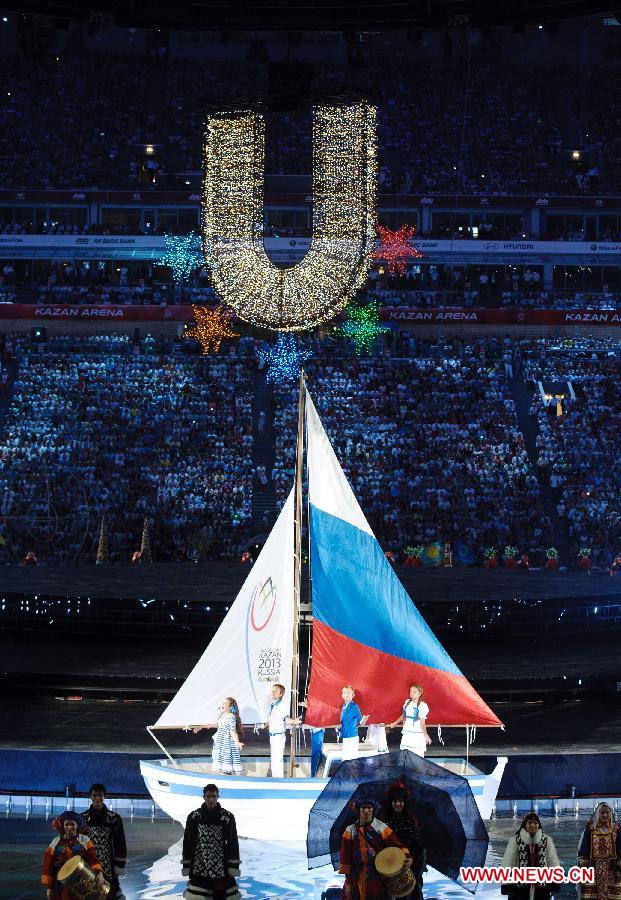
x=253, y=647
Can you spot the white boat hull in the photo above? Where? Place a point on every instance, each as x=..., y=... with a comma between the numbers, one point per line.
x=279, y=806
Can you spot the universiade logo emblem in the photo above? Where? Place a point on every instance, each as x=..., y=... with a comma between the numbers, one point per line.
x=263, y=604
x=264, y=653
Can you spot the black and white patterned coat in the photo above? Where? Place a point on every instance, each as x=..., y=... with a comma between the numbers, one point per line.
x=105, y=829
x=518, y=854
x=211, y=854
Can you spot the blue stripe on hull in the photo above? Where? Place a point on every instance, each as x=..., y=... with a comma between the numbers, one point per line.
x=253, y=791
x=257, y=794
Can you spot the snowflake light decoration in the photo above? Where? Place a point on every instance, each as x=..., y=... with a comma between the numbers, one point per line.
x=395, y=248
x=210, y=326
x=183, y=254
x=284, y=359
x=362, y=326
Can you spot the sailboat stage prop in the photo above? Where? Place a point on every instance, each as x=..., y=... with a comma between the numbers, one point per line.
x=366, y=632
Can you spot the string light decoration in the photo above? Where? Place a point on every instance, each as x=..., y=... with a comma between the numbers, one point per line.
x=210, y=327
x=395, y=248
x=298, y=297
x=182, y=255
x=362, y=326
x=284, y=359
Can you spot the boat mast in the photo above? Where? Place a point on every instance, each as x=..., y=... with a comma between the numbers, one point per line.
x=297, y=572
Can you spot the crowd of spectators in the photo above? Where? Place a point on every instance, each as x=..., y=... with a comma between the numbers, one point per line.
x=578, y=443
x=84, y=138
x=499, y=132
x=596, y=112
x=430, y=446
x=87, y=282
x=513, y=299
x=491, y=287
x=429, y=439
x=95, y=427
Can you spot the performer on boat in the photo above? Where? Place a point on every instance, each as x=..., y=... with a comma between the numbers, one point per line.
x=105, y=829
x=600, y=847
x=351, y=719
x=413, y=716
x=71, y=841
x=278, y=719
x=360, y=844
x=396, y=813
x=529, y=847
x=227, y=745
x=317, y=736
x=211, y=850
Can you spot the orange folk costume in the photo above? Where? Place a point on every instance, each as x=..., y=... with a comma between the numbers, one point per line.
x=360, y=845
x=63, y=849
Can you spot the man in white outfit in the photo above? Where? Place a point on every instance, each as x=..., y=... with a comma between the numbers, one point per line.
x=278, y=719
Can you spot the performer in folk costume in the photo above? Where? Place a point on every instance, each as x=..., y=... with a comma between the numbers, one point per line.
x=71, y=841
x=211, y=851
x=529, y=847
x=397, y=814
x=413, y=716
x=360, y=844
x=105, y=829
x=351, y=718
x=600, y=847
x=227, y=745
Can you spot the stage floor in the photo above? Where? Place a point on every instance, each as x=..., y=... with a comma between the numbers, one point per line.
x=269, y=870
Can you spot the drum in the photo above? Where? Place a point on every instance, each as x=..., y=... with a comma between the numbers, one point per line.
x=78, y=877
x=399, y=882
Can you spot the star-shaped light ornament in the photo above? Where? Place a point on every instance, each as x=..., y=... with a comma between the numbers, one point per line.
x=362, y=326
x=183, y=254
x=395, y=248
x=284, y=359
x=210, y=327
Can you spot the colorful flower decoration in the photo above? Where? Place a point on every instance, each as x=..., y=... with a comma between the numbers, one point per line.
x=414, y=551
x=490, y=553
x=183, y=254
x=395, y=248
x=284, y=359
x=552, y=553
x=362, y=326
x=585, y=552
x=511, y=552
x=210, y=327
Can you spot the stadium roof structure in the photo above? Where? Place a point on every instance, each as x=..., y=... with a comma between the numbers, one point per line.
x=314, y=15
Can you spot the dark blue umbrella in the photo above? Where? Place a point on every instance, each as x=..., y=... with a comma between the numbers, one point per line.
x=452, y=828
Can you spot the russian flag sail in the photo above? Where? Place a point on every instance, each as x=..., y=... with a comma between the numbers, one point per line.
x=366, y=630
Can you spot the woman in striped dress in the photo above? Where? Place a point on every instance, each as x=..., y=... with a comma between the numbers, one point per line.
x=227, y=745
